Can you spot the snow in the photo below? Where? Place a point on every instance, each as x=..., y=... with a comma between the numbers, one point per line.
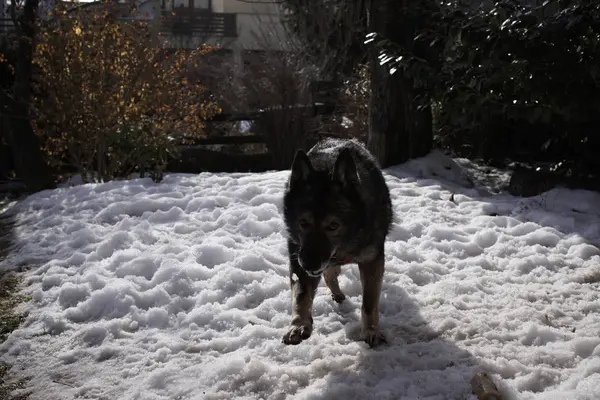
x=179, y=290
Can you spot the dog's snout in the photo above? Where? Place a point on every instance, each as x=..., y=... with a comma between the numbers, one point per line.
x=313, y=263
x=319, y=272
x=314, y=254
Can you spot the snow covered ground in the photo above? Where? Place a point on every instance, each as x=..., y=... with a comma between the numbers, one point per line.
x=179, y=290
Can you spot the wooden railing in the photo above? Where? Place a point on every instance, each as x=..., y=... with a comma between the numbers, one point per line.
x=6, y=26
x=194, y=156
x=190, y=21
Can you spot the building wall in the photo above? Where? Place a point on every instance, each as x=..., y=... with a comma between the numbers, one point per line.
x=146, y=8
x=229, y=6
x=218, y=5
x=258, y=26
x=262, y=7
x=198, y=4
x=256, y=31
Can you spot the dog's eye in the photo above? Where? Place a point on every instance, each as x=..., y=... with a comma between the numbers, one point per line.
x=333, y=226
x=304, y=224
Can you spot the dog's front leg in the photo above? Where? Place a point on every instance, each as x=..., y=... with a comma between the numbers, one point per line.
x=371, y=276
x=303, y=288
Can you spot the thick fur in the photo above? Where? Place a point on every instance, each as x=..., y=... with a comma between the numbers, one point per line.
x=337, y=210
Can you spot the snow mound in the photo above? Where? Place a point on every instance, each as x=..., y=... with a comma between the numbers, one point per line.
x=179, y=290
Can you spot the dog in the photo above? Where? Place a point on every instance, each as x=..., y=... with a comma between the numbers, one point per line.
x=337, y=211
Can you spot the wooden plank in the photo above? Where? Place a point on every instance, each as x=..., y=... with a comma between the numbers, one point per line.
x=12, y=187
x=224, y=140
x=6, y=25
x=193, y=159
x=315, y=109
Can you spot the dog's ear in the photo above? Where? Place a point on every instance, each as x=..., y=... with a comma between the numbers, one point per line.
x=301, y=168
x=344, y=170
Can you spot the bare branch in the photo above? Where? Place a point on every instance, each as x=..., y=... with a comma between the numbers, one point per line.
x=333, y=31
x=13, y=15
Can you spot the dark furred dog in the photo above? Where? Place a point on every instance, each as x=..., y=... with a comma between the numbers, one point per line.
x=337, y=210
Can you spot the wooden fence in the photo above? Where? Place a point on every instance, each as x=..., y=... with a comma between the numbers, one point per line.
x=6, y=26
x=195, y=157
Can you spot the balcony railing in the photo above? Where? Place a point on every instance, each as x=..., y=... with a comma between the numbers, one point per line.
x=195, y=22
x=182, y=21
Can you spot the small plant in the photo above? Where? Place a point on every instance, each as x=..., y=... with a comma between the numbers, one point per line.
x=9, y=321
x=108, y=99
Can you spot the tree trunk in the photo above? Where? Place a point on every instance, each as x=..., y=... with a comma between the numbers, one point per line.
x=27, y=153
x=398, y=131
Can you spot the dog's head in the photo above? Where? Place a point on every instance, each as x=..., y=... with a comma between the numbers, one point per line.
x=322, y=209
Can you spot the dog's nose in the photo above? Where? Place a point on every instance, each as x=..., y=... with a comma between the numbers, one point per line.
x=308, y=265
x=319, y=271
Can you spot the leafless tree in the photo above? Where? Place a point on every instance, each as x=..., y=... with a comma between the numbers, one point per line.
x=276, y=78
x=334, y=32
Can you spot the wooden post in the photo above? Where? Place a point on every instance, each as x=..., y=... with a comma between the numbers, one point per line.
x=156, y=23
x=398, y=130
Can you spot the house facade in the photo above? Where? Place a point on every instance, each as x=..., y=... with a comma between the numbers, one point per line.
x=232, y=24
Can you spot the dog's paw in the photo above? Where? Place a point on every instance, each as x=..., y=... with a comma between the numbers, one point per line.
x=297, y=333
x=374, y=338
x=338, y=297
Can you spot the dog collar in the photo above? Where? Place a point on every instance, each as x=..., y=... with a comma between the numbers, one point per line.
x=346, y=260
